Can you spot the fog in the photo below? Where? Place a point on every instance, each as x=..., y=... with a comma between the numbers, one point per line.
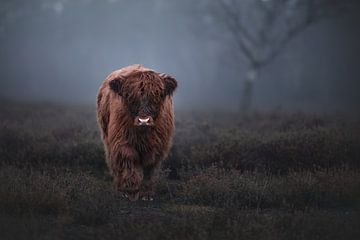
x=61, y=51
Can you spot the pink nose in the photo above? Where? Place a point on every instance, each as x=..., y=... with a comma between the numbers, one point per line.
x=144, y=121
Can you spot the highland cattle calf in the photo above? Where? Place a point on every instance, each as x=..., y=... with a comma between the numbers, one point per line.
x=136, y=119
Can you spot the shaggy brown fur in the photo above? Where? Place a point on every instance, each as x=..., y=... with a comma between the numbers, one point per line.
x=134, y=149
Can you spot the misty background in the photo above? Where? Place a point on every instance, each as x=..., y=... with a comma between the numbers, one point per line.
x=61, y=51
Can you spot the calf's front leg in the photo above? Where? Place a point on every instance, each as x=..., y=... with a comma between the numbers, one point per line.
x=127, y=172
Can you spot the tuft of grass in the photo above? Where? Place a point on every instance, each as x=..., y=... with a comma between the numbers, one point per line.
x=233, y=189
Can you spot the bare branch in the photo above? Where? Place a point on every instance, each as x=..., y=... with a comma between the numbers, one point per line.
x=242, y=36
x=235, y=21
x=271, y=16
x=313, y=11
x=276, y=23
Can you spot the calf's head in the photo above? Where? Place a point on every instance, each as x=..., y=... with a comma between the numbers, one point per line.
x=143, y=95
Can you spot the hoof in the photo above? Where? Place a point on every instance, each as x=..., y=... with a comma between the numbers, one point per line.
x=131, y=196
x=147, y=198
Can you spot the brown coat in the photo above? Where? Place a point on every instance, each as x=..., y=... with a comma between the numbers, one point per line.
x=136, y=118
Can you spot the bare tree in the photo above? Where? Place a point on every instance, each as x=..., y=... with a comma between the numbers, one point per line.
x=262, y=29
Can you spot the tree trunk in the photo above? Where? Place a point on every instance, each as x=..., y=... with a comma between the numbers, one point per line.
x=247, y=94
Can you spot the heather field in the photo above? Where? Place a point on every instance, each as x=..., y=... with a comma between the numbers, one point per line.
x=272, y=175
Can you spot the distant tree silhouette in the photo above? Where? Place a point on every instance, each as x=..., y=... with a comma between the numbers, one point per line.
x=263, y=28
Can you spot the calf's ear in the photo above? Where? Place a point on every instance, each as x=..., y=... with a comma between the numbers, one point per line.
x=116, y=86
x=170, y=83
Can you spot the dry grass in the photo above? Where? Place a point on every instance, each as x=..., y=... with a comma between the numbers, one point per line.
x=273, y=176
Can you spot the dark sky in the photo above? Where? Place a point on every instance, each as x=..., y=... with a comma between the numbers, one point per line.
x=61, y=50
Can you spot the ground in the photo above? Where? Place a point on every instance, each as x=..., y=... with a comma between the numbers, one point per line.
x=271, y=176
